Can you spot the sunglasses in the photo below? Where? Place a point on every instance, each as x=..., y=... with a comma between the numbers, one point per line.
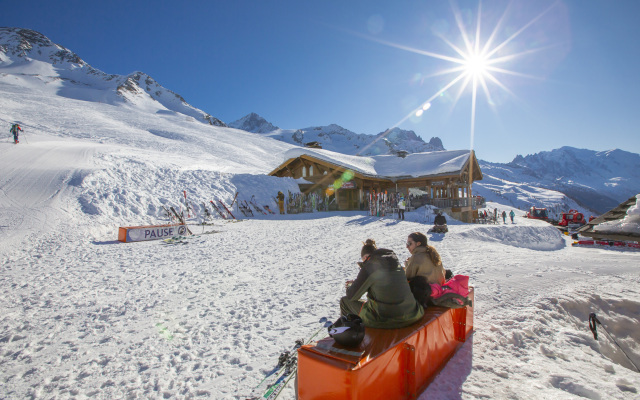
x=410, y=243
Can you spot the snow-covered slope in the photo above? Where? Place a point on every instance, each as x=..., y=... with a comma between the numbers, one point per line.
x=510, y=191
x=596, y=180
x=336, y=138
x=131, y=162
x=28, y=58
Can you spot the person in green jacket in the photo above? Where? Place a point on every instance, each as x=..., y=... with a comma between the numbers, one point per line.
x=390, y=303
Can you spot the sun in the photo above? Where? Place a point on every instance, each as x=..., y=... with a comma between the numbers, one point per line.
x=477, y=63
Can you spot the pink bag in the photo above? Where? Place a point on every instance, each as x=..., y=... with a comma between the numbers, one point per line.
x=459, y=284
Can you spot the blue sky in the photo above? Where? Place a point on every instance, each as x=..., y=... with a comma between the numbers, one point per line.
x=575, y=81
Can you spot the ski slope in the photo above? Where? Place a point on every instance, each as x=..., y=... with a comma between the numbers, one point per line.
x=84, y=316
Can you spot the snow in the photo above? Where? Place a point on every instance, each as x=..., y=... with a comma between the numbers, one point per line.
x=386, y=166
x=629, y=224
x=85, y=316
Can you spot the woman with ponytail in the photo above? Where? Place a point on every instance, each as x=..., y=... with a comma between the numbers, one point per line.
x=424, y=261
x=390, y=303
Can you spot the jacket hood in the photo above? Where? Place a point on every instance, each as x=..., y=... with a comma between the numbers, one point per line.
x=385, y=257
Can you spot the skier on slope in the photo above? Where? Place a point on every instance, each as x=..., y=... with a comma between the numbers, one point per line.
x=512, y=214
x=504, y=217
x=15, y=129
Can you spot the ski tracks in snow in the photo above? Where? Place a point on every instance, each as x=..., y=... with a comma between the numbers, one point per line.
x=208, y=318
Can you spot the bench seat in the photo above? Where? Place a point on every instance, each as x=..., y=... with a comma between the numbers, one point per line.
x=389, y=363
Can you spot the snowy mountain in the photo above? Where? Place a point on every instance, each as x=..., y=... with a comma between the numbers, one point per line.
x=31, y=59
x=336, y=138
x=253, y=123
x=598, y=181
x=569, y=178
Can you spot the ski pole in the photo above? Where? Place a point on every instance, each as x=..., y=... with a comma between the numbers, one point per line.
x=593, y=322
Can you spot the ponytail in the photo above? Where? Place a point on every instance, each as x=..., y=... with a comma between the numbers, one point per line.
x=369, y=247
x=434, y=255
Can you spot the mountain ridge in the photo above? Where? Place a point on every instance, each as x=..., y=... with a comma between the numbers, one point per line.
x=36, y=59
x=339, y=139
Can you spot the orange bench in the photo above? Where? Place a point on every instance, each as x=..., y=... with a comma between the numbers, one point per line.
x=389, y=363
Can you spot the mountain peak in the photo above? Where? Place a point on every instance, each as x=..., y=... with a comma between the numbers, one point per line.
x=253, y=123
x=27, y=43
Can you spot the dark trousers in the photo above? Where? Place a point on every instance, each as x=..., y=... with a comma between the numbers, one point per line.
x=350, y=306
x=401, y=214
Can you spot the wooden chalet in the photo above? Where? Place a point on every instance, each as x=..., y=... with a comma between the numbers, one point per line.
x=445, y=176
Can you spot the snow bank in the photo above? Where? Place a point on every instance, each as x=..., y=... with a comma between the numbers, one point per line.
x=526, y=237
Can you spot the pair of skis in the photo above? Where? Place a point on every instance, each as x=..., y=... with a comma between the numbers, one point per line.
x=286, y=368
x=260, y=210
x=227, y=215
x=174, y=216
x=245, y=209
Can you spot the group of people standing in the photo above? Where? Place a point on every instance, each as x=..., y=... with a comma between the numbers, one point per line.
x=504, y=214
x=391, y=303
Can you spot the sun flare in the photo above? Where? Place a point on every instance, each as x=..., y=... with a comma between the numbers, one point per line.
x=477, y=63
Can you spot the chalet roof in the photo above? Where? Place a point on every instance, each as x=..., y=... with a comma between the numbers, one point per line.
x=389, y=166
x=621, y=223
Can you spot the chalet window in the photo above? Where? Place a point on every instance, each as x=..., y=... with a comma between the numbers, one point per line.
x=310, y=170
x=304, y=171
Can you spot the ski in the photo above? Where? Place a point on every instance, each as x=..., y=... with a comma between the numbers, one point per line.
x=283, y=360
x=274, y=390
x=168, y=214
x=180, y=219
x=234, y=200
x=206, y=216
x=186, y=204
x=225, y=207
x=258, y=209
x=244, y=207
x=243, y=211
x=268, y=209
x=253, y=203
x=286, y=368
x=215, y=207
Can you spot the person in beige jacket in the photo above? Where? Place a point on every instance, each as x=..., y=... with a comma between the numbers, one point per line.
x=424, y=261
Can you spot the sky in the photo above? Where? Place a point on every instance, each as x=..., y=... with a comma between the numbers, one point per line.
x=563, y=73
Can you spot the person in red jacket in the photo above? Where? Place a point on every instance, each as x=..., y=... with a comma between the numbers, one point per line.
x=15, y=129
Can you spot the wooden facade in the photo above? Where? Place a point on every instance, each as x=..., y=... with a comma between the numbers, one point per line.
x=352, y=188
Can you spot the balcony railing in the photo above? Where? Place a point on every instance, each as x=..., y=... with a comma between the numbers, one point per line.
x=475, y=202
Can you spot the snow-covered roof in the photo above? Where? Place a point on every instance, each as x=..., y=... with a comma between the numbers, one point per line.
x=388, y=166
x=621, y=223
